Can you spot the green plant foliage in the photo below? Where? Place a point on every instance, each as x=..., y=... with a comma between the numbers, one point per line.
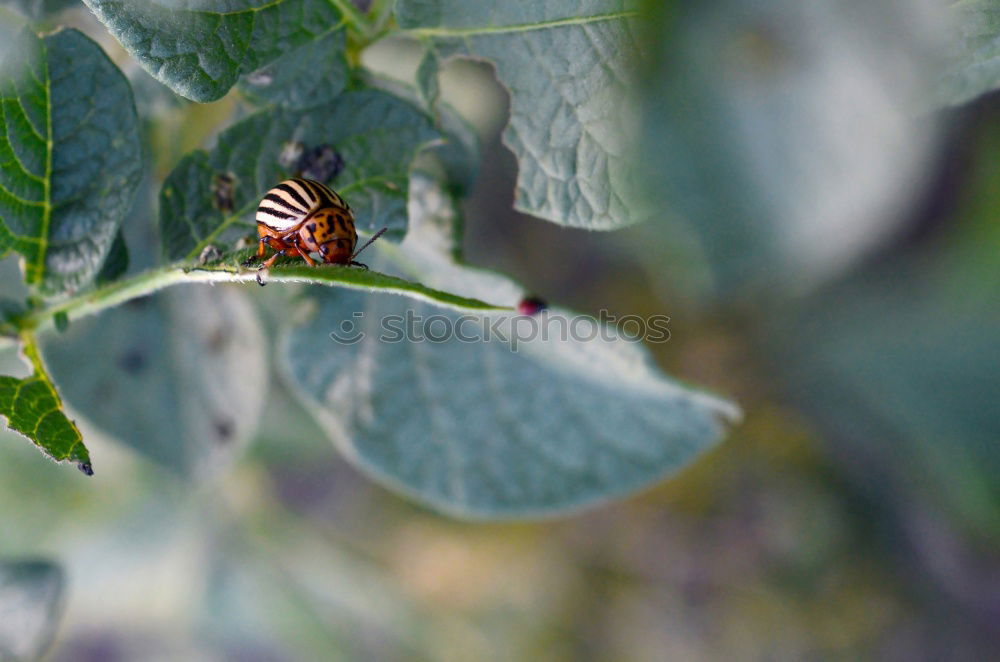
x=30, y=606
x=69, y=148
x=901, y=360
x=305, y=77
x=37, y=9
x=179, y=376
x=785, y=133
x=200, y=49
x=31, y=406
x=475, y=428
x=975, y=65
x=375, y=133
x=566, y=65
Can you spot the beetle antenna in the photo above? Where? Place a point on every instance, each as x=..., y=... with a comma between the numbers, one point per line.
x=369, y=242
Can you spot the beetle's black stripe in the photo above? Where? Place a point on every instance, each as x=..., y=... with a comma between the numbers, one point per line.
x=308, y=190
x=315, y=191
x=287, y=204
x=288, y=188
x=327, y=197
x=275, y=213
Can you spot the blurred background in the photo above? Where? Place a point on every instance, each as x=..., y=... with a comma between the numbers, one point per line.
x=855, y=513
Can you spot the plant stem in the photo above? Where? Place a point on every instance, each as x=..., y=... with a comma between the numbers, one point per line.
x=355, y=18
x=118, y=292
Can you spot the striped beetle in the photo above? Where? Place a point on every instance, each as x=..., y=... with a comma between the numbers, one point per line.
x=300, y=217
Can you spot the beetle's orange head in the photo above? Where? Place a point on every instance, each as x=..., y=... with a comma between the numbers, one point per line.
x=336, y=251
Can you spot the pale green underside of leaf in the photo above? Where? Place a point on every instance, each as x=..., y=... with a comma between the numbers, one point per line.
x=69, y=156
x=474, y=428
x=376, y=134
x=200, y=49
x=31, y=594
x=568, y=67
x=31, y=407
x=179, y=376
x=975, y=66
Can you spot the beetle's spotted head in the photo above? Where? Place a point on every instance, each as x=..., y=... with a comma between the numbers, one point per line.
x=336, y=251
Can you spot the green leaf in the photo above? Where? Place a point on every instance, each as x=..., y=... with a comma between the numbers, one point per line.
x=69, y=157
x=375, y=133
x=306, y=77
x=38, y=9
x=479, y=430
x=200, y=49
x=785, y=134
x=975, y=55
x=567, y=65
x=31, y=596
x=900, y=362
x=179, y=376
x=31, y=407
x=475, y=428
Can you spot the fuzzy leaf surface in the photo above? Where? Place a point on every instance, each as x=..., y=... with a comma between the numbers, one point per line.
x=199, y=48
x=567, y=65
x=69, y=156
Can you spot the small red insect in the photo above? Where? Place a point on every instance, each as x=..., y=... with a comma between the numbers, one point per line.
x=531, y=306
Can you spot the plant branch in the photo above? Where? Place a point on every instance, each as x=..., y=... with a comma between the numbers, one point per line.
x=355, y=18
x=148, y=282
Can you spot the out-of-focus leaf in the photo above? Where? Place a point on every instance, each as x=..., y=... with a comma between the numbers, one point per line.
x=179, y=376
x=30, y=605
x=785, y=132
x=36, y=9
x=201, y=48
x=375, y=133
x=901, y=362
x=474, y=428
x=904, y=371
x=309, y=76
x=31, y=407
x=567, y=65
x=69, y=156
x=975, y=65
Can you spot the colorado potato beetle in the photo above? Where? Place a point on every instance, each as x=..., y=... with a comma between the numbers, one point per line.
x=299, y=217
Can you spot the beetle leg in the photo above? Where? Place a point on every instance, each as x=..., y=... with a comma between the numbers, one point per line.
x=352, y=263
x=263, y=241
x=267, y=265
x=305, y=256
